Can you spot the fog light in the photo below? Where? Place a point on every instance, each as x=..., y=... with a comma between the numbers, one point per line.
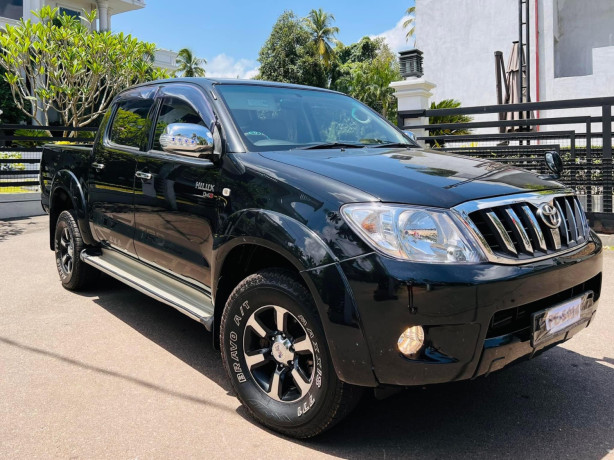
x=411, y=340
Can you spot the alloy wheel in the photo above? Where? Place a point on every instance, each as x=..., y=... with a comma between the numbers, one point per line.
x=67, y=250
x=279, y=353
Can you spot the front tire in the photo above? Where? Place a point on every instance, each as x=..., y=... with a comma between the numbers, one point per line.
x=74, y=273
x=275, y=353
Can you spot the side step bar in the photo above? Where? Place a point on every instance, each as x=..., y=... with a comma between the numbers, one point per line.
x=188, y=300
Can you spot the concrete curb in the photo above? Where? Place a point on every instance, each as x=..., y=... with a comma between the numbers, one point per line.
x=14, y=205
x=607, y=240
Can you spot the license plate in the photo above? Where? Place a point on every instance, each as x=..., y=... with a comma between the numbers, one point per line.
x=558, y=318
x=547, y=323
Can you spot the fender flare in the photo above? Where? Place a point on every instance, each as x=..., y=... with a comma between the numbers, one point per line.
x=320, y=270
x=68, y=182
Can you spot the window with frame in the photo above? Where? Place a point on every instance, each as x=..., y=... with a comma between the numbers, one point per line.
x=174, y=110
x=12, y=9
x=69, y=12
x=130, y=126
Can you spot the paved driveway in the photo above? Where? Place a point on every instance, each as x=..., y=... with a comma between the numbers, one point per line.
x=111, y=373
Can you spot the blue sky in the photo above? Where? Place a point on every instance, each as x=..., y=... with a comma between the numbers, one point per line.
x=229, y=34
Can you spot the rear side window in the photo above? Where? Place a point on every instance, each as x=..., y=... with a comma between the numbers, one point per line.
x=131, y=124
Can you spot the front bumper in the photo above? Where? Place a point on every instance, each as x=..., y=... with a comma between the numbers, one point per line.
x=477, y=318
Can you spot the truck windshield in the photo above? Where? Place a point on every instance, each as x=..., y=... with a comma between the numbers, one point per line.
x=278, y=118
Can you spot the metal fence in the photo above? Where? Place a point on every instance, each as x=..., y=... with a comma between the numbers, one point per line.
x=20, y=152
x=584, y=142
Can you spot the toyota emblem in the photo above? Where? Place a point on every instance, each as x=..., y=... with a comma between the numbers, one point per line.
x=549, y=215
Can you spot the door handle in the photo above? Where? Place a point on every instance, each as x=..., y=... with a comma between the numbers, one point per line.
x=143, y=175
x=97, y=166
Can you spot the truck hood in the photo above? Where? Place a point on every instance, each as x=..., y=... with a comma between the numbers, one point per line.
x=420, y=177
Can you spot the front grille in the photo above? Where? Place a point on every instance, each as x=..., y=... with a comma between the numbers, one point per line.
x=518, y=319
x=518, y=231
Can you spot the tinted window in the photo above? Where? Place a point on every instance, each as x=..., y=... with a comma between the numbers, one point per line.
x=67, y=12
x=277, y=118
x=130, y=124
x=174, y=110
x=12, y=9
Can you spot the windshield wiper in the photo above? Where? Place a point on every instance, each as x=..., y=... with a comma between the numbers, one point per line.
x=391, y=144
x=332, y=145
x=378, y=143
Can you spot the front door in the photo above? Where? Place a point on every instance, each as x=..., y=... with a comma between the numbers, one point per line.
x=112, y=169
x=177, y=196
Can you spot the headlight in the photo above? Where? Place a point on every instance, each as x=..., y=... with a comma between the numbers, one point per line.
x=412, y=233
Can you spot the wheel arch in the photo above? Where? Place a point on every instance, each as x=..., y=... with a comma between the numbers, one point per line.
x=67, y=193
x=282, y=242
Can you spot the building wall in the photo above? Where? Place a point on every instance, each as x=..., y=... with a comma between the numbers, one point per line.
x=166, y=59
x=459, y=38
x=578, y=28
x=106, y=8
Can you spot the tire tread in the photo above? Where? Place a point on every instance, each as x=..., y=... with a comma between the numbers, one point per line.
x=82, y=275
x=346, y=396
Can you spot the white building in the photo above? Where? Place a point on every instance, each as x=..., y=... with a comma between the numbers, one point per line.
x=574, y=56
x=13, y=10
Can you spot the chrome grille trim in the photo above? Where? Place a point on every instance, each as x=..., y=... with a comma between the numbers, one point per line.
x=521, y=233
x=581, y=217
x=573, y=224
x=563, y=222
x=535, y=228
x=509, y=231
x=502, y=232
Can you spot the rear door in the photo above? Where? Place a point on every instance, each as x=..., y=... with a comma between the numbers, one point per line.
x=114, y=160
x=177, y=197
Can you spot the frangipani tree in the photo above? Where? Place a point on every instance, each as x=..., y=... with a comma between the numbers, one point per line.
x=58, y=64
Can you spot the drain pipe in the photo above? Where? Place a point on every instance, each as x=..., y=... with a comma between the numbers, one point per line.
x=536, y=57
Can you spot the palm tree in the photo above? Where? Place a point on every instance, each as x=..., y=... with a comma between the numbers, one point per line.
x=189, y=65
x=319, y=25
x=410, y=22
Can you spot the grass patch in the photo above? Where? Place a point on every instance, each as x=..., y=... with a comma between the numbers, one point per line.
x=15, y=190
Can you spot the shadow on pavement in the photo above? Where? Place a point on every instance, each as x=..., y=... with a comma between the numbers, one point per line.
x=176, y=333
x=9, y=229
x=560, y=404
x=12, y=227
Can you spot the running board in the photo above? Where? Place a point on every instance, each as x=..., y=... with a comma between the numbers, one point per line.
x=188, y=300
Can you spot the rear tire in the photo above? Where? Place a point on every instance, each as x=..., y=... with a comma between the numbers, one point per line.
x=68, y=244
x=275, y=353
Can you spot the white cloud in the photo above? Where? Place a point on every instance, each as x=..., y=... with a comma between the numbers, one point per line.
x=395, y=37
x=223, y=66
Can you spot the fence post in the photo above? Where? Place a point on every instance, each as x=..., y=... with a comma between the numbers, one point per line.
x=589, y=165
x=413, y=94
x=607, y=157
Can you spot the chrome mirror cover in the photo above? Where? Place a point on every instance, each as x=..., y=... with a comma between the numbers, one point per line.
x=187, y=139
x=410, y=134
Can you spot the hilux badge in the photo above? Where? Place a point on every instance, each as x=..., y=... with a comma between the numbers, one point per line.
x=204, y=187
x=549, y=215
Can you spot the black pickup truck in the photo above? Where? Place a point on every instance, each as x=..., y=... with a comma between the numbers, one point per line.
x=322, y=247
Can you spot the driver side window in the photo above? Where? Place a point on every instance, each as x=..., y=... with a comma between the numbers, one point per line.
x=174, y=110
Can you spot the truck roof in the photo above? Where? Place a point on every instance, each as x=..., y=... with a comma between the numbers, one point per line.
x=207, y=83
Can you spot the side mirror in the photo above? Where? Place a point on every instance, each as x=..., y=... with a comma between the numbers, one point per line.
x=410, y=134
x=554, y=163
x=187, y=139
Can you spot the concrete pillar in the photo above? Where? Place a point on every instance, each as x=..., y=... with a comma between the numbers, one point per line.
x=29, y=6
x=414, y=94
x=109, y=18
x=103, y=15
